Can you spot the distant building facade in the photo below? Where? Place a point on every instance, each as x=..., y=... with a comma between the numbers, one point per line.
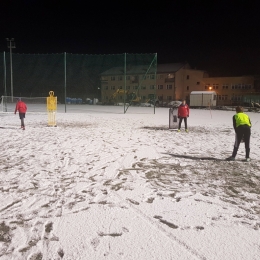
x=175, y=81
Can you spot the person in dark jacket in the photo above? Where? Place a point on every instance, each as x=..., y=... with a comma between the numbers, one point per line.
x=21, y=108
x=242, y=126
x=183, y=114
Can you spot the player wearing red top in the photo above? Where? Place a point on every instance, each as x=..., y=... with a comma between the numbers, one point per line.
x=21, y=108
x=183, y=114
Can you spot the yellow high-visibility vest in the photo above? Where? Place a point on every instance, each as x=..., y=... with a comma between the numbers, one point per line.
x=242, y=119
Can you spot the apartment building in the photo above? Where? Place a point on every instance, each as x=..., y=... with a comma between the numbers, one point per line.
x=174, y=81
x=230, y=90
x=165, y=84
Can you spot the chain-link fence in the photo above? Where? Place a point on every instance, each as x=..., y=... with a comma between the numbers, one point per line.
x=79, y=78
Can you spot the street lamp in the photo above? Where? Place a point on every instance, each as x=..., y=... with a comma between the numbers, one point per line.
x=11, y=45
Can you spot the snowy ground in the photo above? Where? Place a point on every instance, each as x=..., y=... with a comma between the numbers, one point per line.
x=108, y=185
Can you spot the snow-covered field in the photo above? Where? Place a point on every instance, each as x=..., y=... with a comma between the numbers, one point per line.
x=109, y=185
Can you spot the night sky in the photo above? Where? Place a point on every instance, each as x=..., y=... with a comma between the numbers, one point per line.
x=217, y=36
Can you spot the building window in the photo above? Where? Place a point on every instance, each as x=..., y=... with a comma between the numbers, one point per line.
x=113, y=78
x=160, y=98
x=169, y=87
x=160, y=87
x=225, y=86
x=188, y=87
x=169, y=98
x=127, y=87
x=188, y=77
x=151, y=76
x=106, y=87
x=143, y=87
x=120, y=87
x=215, y=86
x=119, y=78
x=151, y=86
x=127, y=77
x=113, y=87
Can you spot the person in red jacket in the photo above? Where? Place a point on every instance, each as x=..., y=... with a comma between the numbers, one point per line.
x=183, y=114
x=21, y=108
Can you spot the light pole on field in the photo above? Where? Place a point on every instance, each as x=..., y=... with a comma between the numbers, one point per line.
x=11, y=45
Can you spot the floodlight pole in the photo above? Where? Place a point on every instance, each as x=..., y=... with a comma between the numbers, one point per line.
x=65, y=80
x=5, y=74
x=11, y=46
x=4, y=99
x=124, y=83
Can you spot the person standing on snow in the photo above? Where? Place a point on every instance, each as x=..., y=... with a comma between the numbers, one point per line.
x=183, y=114
x=242, y=126
x=21, y=108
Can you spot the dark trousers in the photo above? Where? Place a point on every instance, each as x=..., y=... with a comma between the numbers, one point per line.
x=22, y=117
x=243, y=131
x=185, y=122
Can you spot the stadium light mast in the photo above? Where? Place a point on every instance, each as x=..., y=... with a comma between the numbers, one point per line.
x=11, y=45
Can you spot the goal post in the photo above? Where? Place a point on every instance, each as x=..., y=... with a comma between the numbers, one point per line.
x=34, y=104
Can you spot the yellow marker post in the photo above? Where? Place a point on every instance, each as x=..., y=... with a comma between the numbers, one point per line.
x=51, y=108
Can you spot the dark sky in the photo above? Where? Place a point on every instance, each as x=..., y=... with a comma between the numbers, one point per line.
x=222, y=37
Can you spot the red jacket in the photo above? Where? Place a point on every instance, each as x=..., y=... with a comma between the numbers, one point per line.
x=183, y=110
x=20, y=107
